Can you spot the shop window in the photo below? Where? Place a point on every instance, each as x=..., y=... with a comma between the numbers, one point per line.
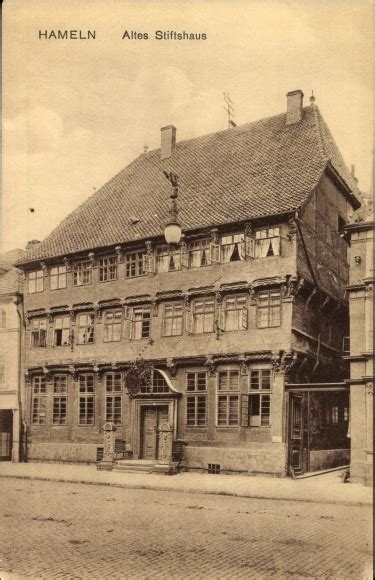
x=228, y=398
x=82, y=273
x=267, y=242
x=172, y=320
x=260, y=398
x=39, y=401
x=134, y=262
x=36, y=281
x=112, y=325
x=168, y=259
x=199, y=254
x=268, y=309
x=85, y=328
x=57, y=277
x=107, y=269
x=235, y=313
x=113, y=398
x=62, y=335
x=86, y=399
x=138, y=322
x=196, y=388
x=60, y=391
x=39, y=332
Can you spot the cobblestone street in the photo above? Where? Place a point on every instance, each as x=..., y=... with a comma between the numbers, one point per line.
x=59, y=530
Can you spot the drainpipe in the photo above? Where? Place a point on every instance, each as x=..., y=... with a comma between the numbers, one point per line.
x=21, y=433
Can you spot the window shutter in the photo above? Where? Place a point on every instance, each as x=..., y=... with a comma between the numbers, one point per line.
x=184, y=257
x=244, y=317
x=128, y=323
x=244, y=410
x=249, y=247
x=215, y=253
x=148, y=263
x=189, y=322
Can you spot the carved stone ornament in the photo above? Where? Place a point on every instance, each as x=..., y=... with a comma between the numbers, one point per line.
x=46, y=372
x=73, y=371
x=154, y=307
x=26, y=318
x=187, y=303
x=27, y=376
x=148, y=245
x=118, y=251
x=140, y=374
x=98, y=312
x=284, y=362
x=292, y=229
x=67, y=264
x=92, y=259
x=44, y=267
x=214, y=235
x=172, y=368
x=211, y=365
x=72, y=314
x=248, y=230
x=292, y=287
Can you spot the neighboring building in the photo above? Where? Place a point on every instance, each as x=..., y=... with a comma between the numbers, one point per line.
x=237, y=330
x=360, y=346
x=11, y=321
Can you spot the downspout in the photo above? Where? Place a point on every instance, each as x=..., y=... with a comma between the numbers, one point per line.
x=19, y=400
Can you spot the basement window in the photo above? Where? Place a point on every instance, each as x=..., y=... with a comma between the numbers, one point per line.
x=213, y=468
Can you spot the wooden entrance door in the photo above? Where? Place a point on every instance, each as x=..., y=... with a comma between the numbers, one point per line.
x=296, y=433
x=151, y=419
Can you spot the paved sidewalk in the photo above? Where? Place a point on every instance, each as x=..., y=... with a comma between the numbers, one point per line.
x=326, y=488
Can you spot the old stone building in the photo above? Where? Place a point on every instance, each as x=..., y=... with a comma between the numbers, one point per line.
x=360, y=346
x=232, y=335
x=11, y=324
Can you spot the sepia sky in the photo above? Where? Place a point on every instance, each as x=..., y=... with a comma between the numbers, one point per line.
x=75, y=112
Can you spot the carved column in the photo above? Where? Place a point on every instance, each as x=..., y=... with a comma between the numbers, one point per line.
x=109, y=447
x=282, y=365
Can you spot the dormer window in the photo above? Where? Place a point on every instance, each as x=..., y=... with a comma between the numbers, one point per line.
x=267, y=242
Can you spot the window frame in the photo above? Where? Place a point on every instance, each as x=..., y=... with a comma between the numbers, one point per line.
x=113, y=394
x=113, y=324
x=198, y=247
x=58, y=277
x=205, y=314
x=173, y=317
x=168, y=252
x=86, y=397
x=269, y=307
x=262, y=391
x=36, y=279
x=39, y=401
x=59, y=400
x=269, y=235
x=195, y=397
x=243, y=311
x=37, y=333
x=107, y=267
x=82, y=273
x=227, y=394
x=134, y=259
x=63, y=328
x=87, y=326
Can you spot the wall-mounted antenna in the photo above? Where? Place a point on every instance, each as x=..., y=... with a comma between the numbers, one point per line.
x=230, y=110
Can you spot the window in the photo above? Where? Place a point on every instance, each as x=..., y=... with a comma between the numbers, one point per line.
x=113, y=399
x=231, y=248
x=82, y=273
x=235, y=313
x=140, y=323
x=228, y=398
x=107, y=269
x=62, y=331
x=332, y=415
x=267, y=242
x=58, y=277
x=3, y=318
x=168, y=259
x=112, y=325
x=134, y=264
x=36, y=281
x=38, y=416
x=341, y=223
x=157, y=384
x=86, y=399
x=260, y=398
x=196, y=387
x=172, y=320
x=39, y=332
x=59, y=400
x=203, y=315
x=85, y=328
x=199, y=254
x=268, y=309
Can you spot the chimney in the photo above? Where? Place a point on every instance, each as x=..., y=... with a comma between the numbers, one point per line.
x=168, y=141
x=294, y=101
x=31, y=244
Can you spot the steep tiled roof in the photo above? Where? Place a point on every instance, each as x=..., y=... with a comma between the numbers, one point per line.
x=11, y=280
x=258, y=169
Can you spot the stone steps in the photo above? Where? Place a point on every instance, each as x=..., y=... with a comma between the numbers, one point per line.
x=133, y=465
